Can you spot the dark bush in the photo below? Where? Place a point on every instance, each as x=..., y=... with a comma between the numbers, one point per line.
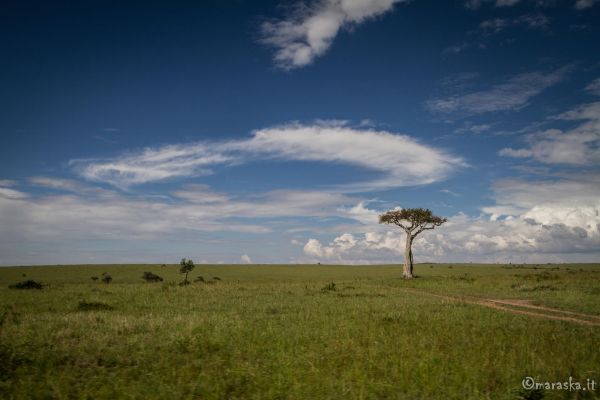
x=28, y=284
x=150, y=277
x=216, y=278
x=199, y=279
x=328, y=287
x=94, y=278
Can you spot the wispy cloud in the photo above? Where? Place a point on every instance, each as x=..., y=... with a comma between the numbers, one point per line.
x=512, y=94
x=475, y=4
x=583, y=4
x=152, y=164
x=496, y=25
x=194, y=208
x=481, y=38
x=310, y=30
x=577, y=146
x=12, y=194
x=68, y=185
x=400, y=159
x=594, y=87
x=7, y=182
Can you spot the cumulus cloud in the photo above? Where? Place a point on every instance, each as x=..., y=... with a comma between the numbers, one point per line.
x=513, y=94
x=399, y=159
x=577, y=146
x=309, y=31
x=531, y=220
x=245, y=259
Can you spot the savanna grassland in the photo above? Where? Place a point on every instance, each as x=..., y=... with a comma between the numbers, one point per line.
x=299, y=332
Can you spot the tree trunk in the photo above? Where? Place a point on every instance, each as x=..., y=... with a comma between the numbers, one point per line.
x=408, y=258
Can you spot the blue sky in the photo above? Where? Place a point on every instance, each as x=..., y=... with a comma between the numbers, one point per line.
x=277, y=131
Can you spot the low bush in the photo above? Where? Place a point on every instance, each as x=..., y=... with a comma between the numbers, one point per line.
x=150, y=277
x=28, y=284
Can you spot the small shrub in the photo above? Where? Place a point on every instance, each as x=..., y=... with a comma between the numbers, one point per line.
x=150, y=277
x=216, y=278
x=93, y=306
x=94, y=278
x=28, y=284
x=199, y=279
x=328, y=287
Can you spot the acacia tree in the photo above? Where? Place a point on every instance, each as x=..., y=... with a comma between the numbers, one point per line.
x=185, y=267
x=413, y=221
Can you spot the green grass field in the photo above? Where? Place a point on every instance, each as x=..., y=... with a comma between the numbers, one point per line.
x=279, y=332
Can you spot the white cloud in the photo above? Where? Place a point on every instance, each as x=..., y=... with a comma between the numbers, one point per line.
x=12, y=194
x=310, y=31
x=577, y=146
x=109, y=214
x=583, y=4
x=245, y=259
x=513, y=94
x=400, y=160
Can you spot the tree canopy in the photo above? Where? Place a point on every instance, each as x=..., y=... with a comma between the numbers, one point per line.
x=412, y=220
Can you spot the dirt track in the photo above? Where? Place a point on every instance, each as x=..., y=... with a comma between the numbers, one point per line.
x=522, y=307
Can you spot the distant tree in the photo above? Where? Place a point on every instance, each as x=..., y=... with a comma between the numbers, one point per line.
x=185, y=267
x=413, y=221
